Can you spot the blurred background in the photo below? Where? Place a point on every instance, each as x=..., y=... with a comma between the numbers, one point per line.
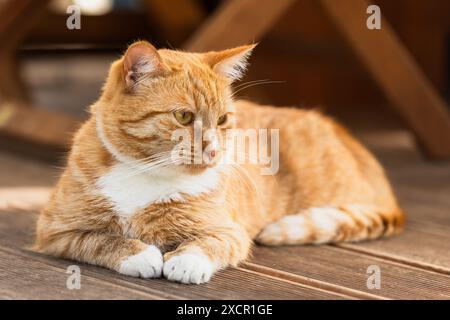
x=48, y=66
x=318, y=53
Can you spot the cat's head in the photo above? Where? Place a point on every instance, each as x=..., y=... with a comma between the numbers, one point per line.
x=153, y=96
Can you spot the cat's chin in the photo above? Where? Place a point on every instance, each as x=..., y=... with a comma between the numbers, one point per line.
x=195, y=169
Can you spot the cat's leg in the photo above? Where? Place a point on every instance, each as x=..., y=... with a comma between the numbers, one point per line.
x=332, y=224
x=127, y=256
x=196, y=261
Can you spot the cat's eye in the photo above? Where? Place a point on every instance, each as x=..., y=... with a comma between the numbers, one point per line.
x=222, y=119
x=184, y=117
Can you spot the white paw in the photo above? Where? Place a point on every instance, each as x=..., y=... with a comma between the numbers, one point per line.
x=145, y=264
x=189, y=268
x=272, y=234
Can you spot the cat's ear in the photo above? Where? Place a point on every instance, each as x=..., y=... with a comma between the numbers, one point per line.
x=230, y=63
x=141, y=59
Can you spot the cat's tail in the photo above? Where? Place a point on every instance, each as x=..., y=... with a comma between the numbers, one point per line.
x=333, y=224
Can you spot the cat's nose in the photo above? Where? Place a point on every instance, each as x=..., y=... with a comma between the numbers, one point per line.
x=210, y=153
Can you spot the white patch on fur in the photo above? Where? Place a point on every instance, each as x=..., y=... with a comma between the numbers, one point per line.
x=129, y=191
x=146, y=264
x=193, y=266
x=295, y=227
x=290, y=229
x=323, y=220
x=341, y=217
x=271, y=234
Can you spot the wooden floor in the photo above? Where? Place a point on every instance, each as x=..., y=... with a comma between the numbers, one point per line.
x=414, y=265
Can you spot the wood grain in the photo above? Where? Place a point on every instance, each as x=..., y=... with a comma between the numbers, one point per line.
x=347, y=269
x=30, y=279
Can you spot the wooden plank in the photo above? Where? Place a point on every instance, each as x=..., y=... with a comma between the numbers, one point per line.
x=37, y=125
x=415, y=247
x=17, y=229
x=396, y=72
x=346, y=269
x=306, y=267
x=30, y=279
x=237, y=22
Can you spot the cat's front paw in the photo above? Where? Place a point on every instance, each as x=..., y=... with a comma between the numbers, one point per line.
x=146, y=264
x=189, y=268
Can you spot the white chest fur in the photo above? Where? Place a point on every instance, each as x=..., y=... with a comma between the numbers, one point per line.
x=129, y=192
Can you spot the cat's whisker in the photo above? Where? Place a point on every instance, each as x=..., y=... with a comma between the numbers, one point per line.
x=249, y=82
x=155, y=162
x=254, y=85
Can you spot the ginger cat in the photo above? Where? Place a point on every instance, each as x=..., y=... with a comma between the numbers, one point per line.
x=124, y=203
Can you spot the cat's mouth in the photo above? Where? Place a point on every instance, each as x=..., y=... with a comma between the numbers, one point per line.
x=197, y=168
x=201, y=162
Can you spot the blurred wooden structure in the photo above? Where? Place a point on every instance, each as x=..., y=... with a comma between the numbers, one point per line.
x=17, y=117
x=239, y=21
x=398, y=75
x=16, y=20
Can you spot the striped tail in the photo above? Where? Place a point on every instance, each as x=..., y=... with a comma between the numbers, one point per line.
x=332, y=224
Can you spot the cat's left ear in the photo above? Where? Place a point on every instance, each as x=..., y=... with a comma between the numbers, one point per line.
x=142, y=60
x=230, y=63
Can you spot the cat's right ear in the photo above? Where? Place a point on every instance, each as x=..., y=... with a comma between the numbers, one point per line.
x=141, y=60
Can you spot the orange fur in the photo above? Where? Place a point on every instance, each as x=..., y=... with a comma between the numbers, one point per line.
x=329, y=187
